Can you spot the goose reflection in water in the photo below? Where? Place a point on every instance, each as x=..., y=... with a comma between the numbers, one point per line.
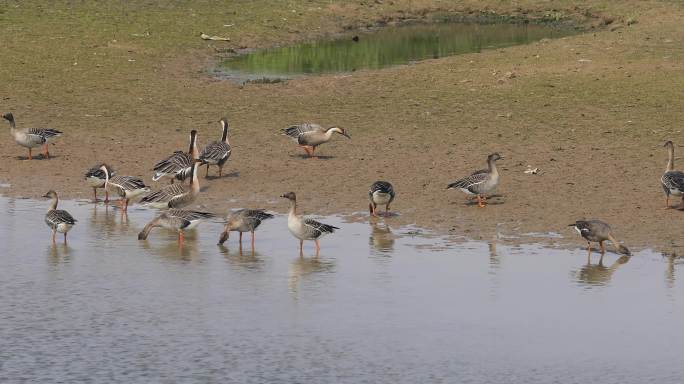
x=670, y=273
x=381, y=238
x=59, y=253
x=599, y=274
x=172, y=250
x=250, y=260
x=302, y=268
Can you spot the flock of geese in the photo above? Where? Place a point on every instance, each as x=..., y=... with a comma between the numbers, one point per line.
x=183, y=166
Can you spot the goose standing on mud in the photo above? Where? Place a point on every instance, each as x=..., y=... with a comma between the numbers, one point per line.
x=244, y=220
x=309, y=136
x=96, y=179
x=32, y=137
x=672, y=181
x=179, y=164
x=481, y=182
x=598, y=231
x=127, y=187
x=217, y=152
x=57, y=219
x=380, y=193
x=177, y=220
x=305, y=228
x=175, y=195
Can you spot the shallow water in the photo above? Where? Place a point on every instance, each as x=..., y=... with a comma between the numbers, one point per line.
x=377, y=306
x=387, y=47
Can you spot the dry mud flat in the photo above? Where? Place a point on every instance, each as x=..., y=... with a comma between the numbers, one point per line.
x=590, y=111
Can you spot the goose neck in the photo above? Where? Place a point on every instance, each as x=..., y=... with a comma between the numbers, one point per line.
x=53, y=203
x=670, y=159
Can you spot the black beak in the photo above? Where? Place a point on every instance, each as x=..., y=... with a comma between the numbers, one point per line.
x=346, y=135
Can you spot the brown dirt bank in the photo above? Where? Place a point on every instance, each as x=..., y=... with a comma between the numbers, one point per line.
x=590, y=111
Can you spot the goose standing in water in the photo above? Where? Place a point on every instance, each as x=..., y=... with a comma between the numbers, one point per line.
x=217, y=152
x=305, y=228
x=32, y=137
x=481, y=182
x=309, y=136
x=672, y=181
x=380, y=193
x=96, y=179
x=127, y=187
x=175, y=219
x=179, y=165
x=175, y=195
x=244, y=220
x=598, y=231
x=57, y=219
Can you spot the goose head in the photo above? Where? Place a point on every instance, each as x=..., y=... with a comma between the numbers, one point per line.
x=341, y=131
x=290, y=196
x=494, y=157
x=51, y=194
x=669, y=144
x=8, y=116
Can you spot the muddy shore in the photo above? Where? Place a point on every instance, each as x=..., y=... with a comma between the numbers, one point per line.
x=591, y=111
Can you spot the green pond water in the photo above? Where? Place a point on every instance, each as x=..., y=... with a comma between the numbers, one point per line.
x=386, y=47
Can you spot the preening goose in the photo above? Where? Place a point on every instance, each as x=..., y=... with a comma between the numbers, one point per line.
x=217, y=152
x=305, y=228
x=32, y=137
x=309, y=135
x=481, y=182
x=179, y=164
x=127, y=187
x=95, y=177
x=57, y=219
x=175, y=195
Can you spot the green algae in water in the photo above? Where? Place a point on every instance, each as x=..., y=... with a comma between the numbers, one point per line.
x=387, y=47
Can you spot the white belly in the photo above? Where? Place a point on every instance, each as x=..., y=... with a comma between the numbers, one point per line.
x=467, y=192
x=295, y=228
x=381, y=198
x=675, y=192
x=64, y=227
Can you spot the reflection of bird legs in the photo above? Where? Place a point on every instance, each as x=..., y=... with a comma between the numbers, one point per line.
x=318, y=247
x=54, y=232
x=65, y=241
x=301, y=248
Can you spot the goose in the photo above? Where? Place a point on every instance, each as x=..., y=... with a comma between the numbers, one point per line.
x=481, y=182
x=179, y=164
x=127, y=187
x=96, y=179
x=244, y=220
x=32, y=137
x=175, y=195
x=598, y=231
x=177, y=220
x=309, y=135
x=672, y=181
x=217, y=152
x=305, y=228
x=380, y=193
x=58, y=220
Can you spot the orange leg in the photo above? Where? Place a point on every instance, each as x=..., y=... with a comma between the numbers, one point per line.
x=53, y=235
x=106, y=196
x=30, y=156
x=313, y=150
x=681, y=204
x=95, y=194
x=307, y=150
x=481, y=201
x=318, y=245
x=252, y=241
x=667, y=202
x=301, y=247
x=46, y=152
x=181, y=237
x=220, y=171
x=206, y=174
x=589, y=251
x=603, y=247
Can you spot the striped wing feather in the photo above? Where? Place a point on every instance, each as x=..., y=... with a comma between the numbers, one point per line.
x=165, y=194
x=294, y=131
x=673, y=180
x=470, y=181
x=59, y=216
x=315, y=228
x=215, y=152
x=178, y=164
